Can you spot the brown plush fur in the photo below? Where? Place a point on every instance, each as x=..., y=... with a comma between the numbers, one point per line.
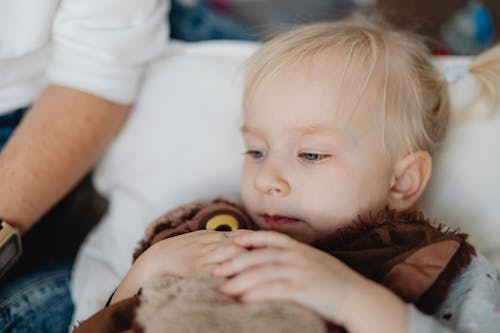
x=191, y=217
x=193, y=305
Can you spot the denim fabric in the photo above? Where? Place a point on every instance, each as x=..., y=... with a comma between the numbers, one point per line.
x=8, y=123
x=198, y=21
x=38, y=303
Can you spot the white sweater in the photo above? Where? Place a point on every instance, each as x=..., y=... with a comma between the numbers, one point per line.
x=97, y=46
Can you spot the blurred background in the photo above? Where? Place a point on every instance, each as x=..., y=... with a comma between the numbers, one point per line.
x=453, y=26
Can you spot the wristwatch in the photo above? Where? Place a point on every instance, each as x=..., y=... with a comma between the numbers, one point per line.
x=10, y=247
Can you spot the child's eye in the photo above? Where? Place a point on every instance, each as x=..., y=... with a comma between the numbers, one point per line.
x=255, y=154
x=313, y=157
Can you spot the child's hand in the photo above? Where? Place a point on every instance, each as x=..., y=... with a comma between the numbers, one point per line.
x=184, y=255
x=189, y=254
x=281, y=268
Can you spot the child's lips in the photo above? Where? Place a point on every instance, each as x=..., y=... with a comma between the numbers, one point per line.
x=278, y=221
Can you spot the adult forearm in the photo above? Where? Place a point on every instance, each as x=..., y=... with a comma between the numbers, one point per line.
x=58, y=141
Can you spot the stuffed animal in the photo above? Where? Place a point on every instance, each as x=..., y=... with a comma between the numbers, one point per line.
x=168, y=304
x=403, y=251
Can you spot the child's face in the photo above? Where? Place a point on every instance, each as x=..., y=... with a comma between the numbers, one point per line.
x=312, y=164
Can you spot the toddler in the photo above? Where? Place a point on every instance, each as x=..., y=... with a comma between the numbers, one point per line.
x=340, y=122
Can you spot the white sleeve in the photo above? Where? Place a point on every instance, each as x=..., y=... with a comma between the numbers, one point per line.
x=102, y=46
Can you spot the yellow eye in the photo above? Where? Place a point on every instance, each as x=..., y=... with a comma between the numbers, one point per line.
x=222, y=222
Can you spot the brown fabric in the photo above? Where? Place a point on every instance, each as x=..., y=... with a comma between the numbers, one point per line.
x=412, y=277
x=115, y=318
x=430, y=301
x=192, y=217
x=403, y=251
x=390, y=241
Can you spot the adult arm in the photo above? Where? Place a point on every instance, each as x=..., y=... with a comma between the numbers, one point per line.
x=99, y=51
x=58, y=141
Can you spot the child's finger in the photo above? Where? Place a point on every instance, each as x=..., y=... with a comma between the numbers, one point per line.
x=202, y=236
x=238, y=233
x=224, y=253
x=248, y=259
x=273, y=290
x=265, y=239
x=248, y=280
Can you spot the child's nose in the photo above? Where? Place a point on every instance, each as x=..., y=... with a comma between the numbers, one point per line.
x=270, y=181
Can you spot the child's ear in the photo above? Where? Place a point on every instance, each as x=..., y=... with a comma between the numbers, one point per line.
x=411, y=174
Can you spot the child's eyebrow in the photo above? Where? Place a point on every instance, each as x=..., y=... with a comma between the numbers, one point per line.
x=343, y=135
x=321, y=129
x=248, y=129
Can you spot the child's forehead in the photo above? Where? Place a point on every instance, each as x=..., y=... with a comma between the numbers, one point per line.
x=321, y=88
x=322, y=81
x=341, y=74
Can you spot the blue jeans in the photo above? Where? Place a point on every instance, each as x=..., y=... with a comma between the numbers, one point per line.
x=8, y=124
x=35, y=294
x=199, y=21
x=38, y=303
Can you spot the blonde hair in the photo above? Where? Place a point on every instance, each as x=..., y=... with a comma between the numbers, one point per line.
x=486, y=69
x=415, y=102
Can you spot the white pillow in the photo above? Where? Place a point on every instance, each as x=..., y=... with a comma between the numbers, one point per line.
x=464, y=190
x=183, y=142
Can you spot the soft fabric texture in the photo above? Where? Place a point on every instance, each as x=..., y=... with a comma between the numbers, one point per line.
x=97, y=46
x=464, y=189
x=172, y=304
x=183, y=142
x=401, y=251
x=194, y=305
x=405, y=253
x=472, y=304
x=191, y=217
x=38, y=302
